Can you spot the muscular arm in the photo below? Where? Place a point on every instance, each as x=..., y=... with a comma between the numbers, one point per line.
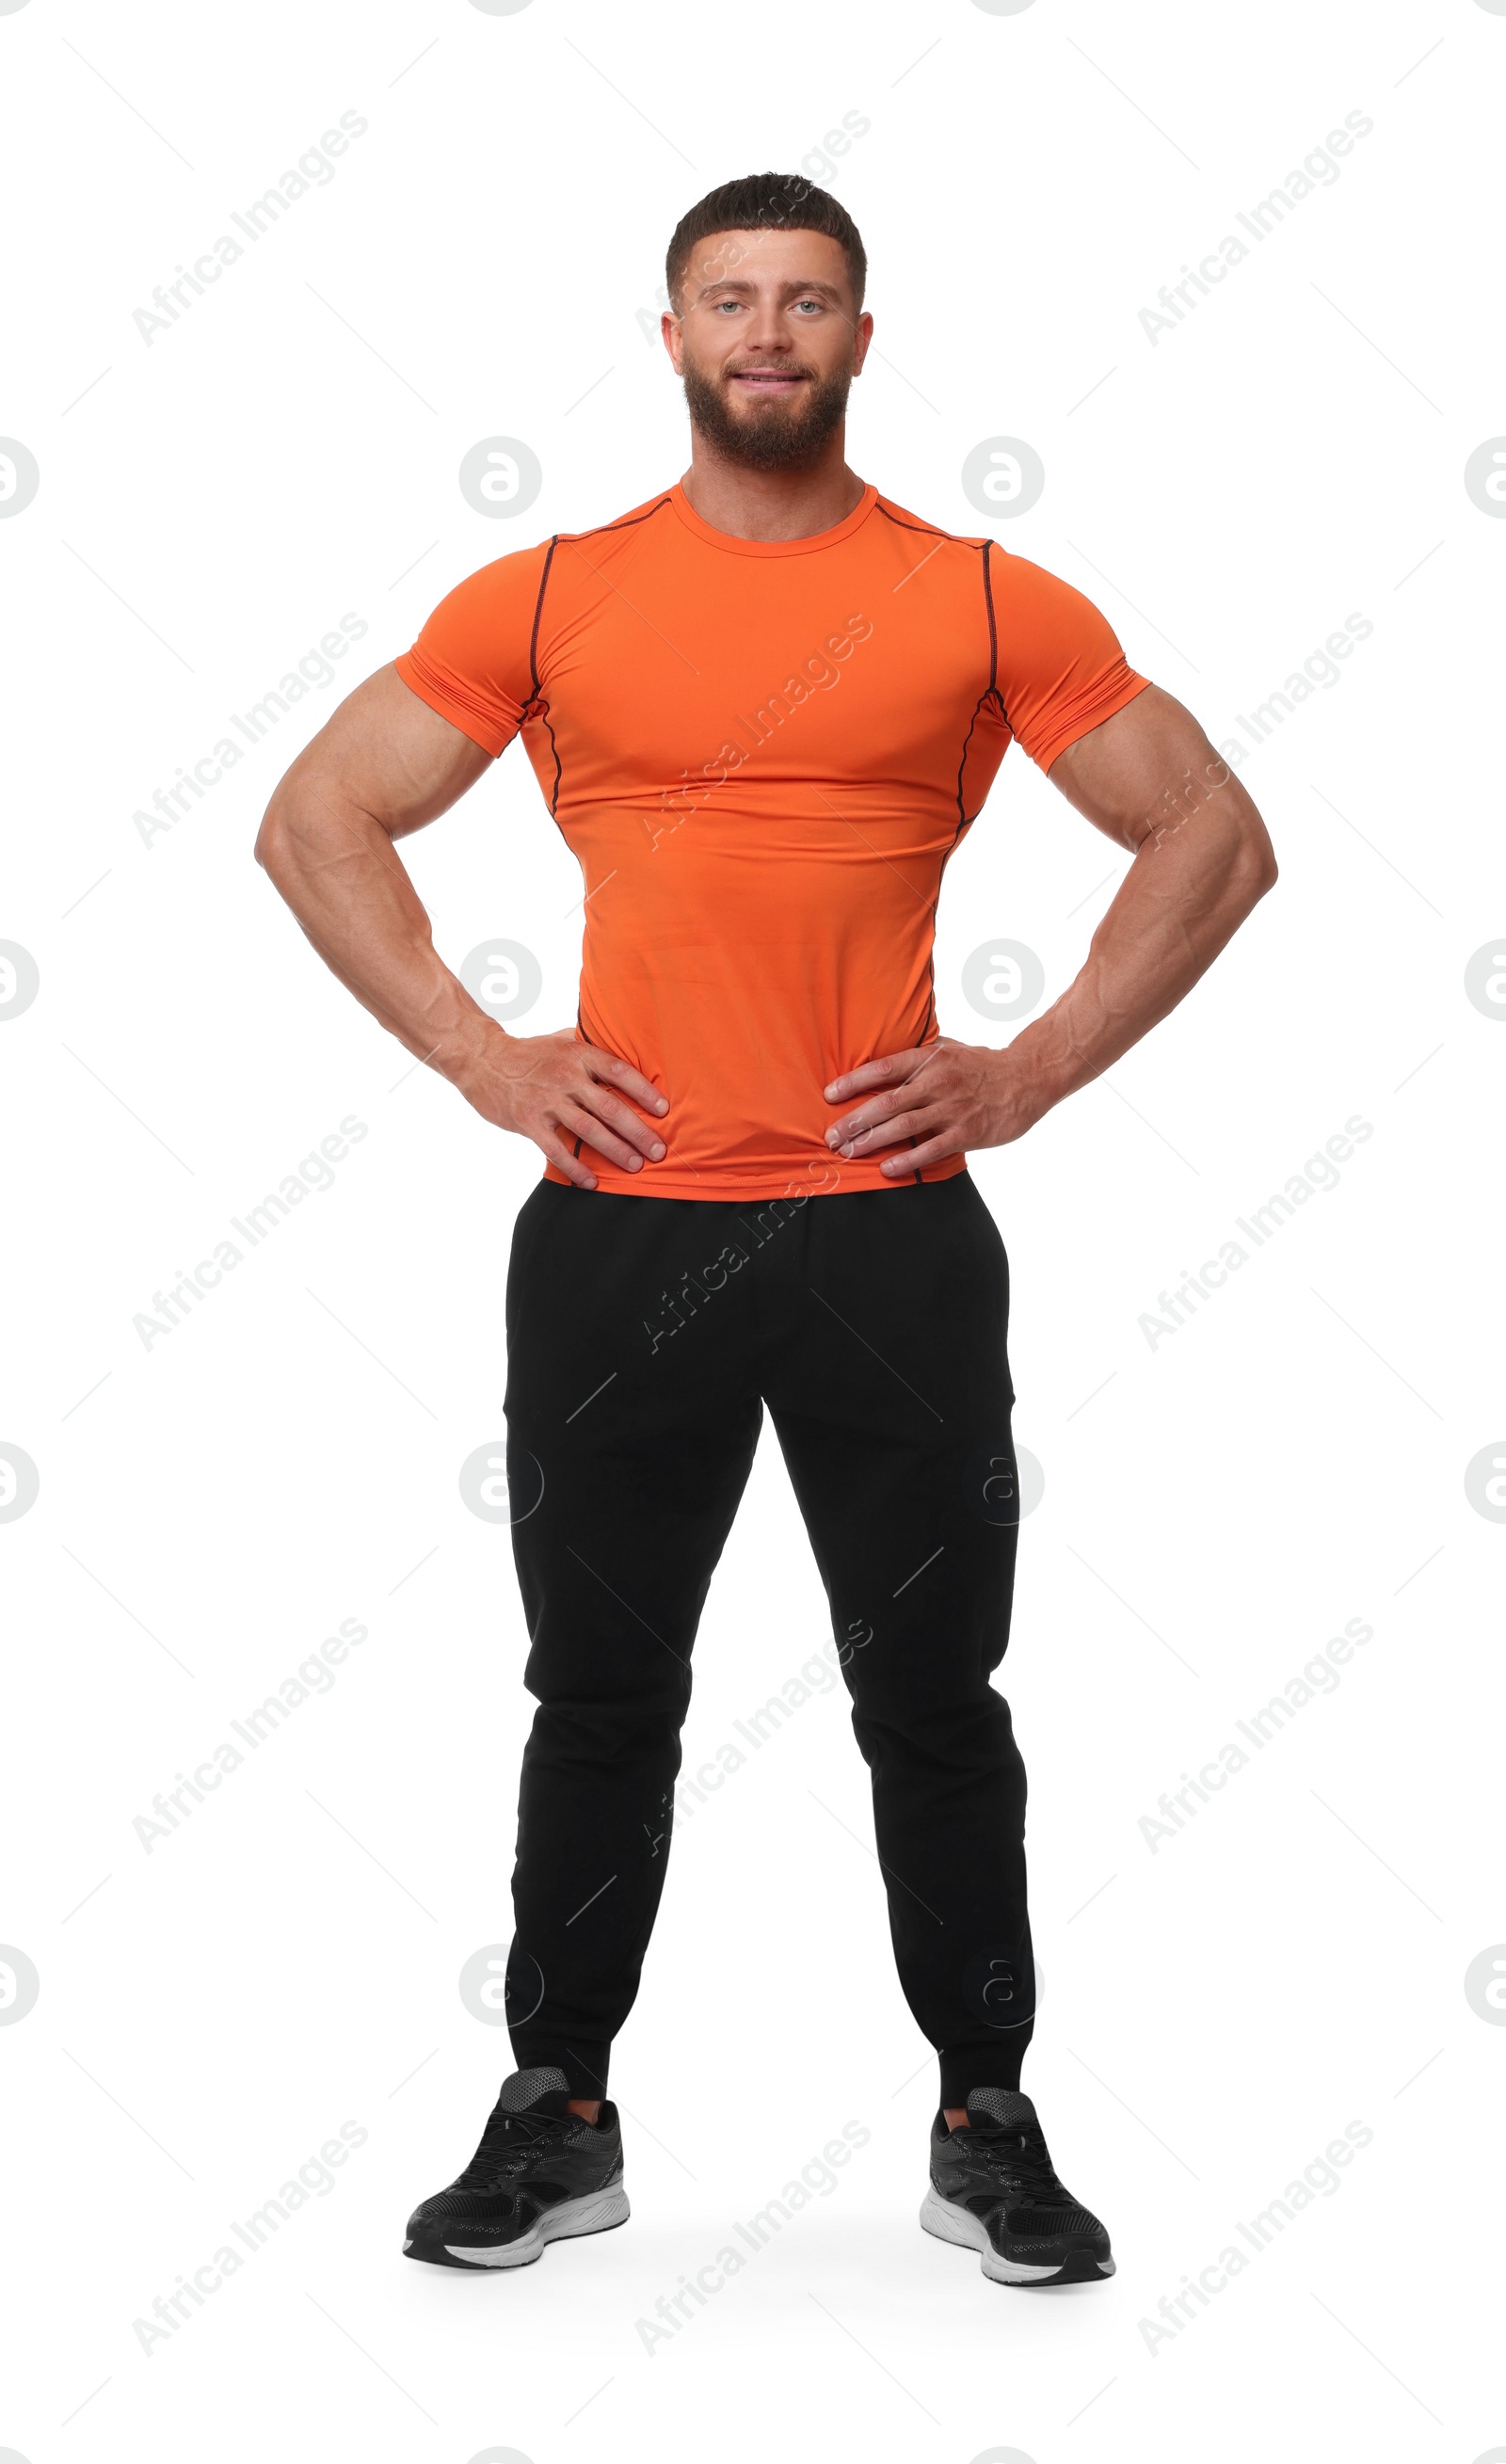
x=383, y=767
x=1149, y=779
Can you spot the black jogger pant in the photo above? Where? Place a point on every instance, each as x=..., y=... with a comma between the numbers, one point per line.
x=645, y=1337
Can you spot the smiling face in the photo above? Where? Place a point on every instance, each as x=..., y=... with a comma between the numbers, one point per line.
x=768, y=341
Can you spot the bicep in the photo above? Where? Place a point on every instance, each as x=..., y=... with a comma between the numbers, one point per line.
x=1148, y=767
x=386, y=753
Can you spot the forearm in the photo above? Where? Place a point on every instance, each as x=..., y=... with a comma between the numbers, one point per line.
x=338, y=871
x=1184, y=898
x=382, y=766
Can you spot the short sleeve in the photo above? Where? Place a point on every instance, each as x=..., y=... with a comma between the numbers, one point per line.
x=473, y=662
x=1060, y=669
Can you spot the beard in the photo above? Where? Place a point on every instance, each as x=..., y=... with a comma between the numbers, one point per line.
x=771, y=435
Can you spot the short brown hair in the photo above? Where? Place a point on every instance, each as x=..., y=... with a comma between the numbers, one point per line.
x=767, y=201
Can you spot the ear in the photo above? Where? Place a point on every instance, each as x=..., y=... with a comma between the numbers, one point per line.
x=670, y=335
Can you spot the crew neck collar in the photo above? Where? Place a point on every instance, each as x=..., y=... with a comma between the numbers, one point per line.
x=734, y=546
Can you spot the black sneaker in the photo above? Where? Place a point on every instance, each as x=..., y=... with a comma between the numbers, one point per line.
x=994, y=2189
x=540, y=2174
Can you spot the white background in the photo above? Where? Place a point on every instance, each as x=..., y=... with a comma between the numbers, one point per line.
x=1217, y=2008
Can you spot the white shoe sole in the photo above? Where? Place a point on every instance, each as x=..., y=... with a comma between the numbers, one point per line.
x=949, y=2223
x=597, y=2212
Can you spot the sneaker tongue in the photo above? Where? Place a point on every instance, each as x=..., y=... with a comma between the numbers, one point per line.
x=1000, y=2108
x=544, y=2090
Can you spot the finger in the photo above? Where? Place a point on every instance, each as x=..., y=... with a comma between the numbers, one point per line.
x=870, y=1074
x=563, y=1161
x=606, y=1067
x=577, y=1123
x=888, y=1134
x=933, y=1150
x=869, y=1116
x=621, y=1117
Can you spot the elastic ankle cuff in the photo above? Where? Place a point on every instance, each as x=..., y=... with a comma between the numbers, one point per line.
x=584, y=2060
x=993, y=2064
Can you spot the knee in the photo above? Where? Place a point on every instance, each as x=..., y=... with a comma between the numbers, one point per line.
x=963, y=1728
x=609, y=1731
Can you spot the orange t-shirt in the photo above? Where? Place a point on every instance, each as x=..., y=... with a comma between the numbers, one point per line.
x=762, y=754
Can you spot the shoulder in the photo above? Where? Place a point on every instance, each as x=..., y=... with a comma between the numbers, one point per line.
x=1003, y=574
x=505, y=587
x=901, y=518
x=638, y=517
x=510, y=582
x=1028, y=589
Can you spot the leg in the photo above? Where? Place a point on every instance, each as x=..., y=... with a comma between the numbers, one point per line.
x=891, y=1396
x=625, y=1462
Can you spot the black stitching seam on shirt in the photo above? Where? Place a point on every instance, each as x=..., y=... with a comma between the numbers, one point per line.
x=538, y=612
x=538, y=706
x=930, y=530
x=628, y=522
x=990, y=692
x=993, y=634
x=964, y=821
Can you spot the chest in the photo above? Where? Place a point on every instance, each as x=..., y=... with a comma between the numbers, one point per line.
x=839, y=678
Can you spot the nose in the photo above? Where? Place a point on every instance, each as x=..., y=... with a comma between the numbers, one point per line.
x=767, y=334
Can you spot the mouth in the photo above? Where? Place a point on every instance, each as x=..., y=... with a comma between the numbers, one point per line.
x=766, y=381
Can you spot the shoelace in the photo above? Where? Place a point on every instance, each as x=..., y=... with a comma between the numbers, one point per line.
x=507, y=2142
x=1020, y=2157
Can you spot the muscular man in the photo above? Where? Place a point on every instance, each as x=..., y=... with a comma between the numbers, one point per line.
x=763, y=708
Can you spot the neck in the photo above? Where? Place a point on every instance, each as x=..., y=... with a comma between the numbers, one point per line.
x=771, y=504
